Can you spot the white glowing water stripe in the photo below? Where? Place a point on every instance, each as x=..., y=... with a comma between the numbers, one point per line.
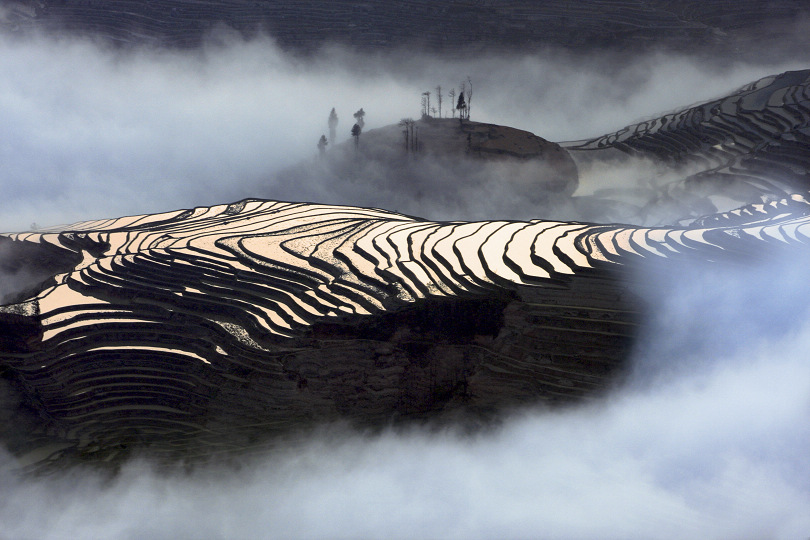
x=660, y=237
x=269, y=249
x=398, y=239
x=804, y=227
x=698, y=235
x=791, y=229
x=272, y=316
x=567, y=244
x=550, y=237
x=129, y=407
x=206, y=238
x=445, y=248
x=756, y=232
x=116, y=222
x=144, y=240
x=424, y=280
x=642, y=238
x=519, y=248
x=307, y=215
x=368, y=243
x=606, y=243
x=148, y=219
x=105, y=263
x=50, y=332
x=622, y=241
x=439, y=233
x=377, y=244
x=417, y=241
x=60, y=296
x=402, y=236
x=765, y=232
x=493, y=250
x=359, y=263
x=352, y=307
x=294, y=299
x=253, y=205
x=320, y=299
x=206, y=234
x=325, y=251
x=24, y=237
x=469, y=247
x=87, y=307
x=265, y=325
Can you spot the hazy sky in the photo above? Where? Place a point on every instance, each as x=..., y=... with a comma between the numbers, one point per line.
x=88, y=133
x=708, y=439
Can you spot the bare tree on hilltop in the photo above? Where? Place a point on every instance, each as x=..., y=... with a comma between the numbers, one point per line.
x=425, y=103
x=452, y=94
x=439, y=99
x=409, y=132
x=469, y=96
x=333, y=122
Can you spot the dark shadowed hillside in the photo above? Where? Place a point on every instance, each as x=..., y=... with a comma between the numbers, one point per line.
x=729, y=28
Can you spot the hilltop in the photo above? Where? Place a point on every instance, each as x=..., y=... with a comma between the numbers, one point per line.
x=446, y=170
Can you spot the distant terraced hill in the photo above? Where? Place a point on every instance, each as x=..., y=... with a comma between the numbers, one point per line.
x=468, y=170
x=731, y=27
x=751, y=145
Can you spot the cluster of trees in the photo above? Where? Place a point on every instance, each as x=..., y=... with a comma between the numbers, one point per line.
x=357, y=129
x=411, y=133
x=462, y=105
x=411, y=130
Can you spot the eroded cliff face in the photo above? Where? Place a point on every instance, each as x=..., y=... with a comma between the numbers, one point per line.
x=213, y=330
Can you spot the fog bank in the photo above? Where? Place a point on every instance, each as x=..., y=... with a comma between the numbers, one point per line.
x=707, y=439
x=87, y=132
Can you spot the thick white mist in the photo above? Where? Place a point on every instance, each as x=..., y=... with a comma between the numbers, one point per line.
x=87, y=132
x=707, y=439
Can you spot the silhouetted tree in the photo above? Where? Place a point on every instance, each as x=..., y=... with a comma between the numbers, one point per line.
x=461, y=106
x=322, y=144
x=408, y=124
x=356, y=130
x=439, y=99
x=333, y=122
x=426, y=104
x=452, y=94
x=358, y=116
x=469, y=96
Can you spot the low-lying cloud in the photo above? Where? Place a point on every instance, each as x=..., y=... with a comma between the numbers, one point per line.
x=88, y=132
x=708, y=439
